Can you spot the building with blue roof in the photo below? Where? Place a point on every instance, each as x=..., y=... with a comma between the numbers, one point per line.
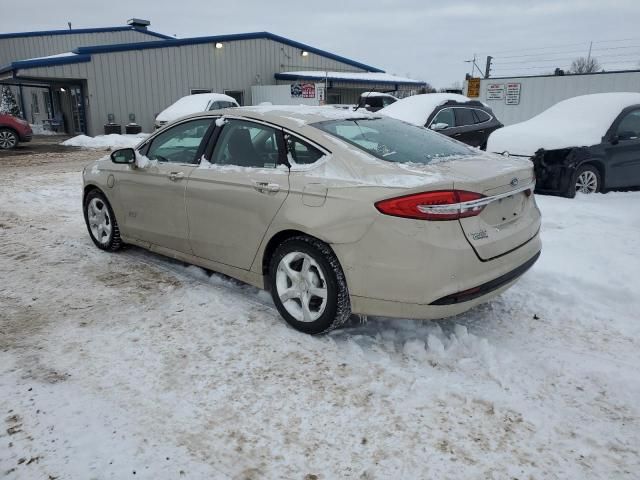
x=90, y=77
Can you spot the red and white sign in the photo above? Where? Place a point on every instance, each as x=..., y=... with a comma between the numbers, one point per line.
x=513, y=94
x=308, y=90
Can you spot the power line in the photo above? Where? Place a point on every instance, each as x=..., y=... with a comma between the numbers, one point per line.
x=585, y=44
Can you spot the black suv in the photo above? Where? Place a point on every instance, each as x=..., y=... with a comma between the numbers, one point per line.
x=469, y=122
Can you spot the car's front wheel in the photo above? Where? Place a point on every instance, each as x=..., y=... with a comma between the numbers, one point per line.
x=8, y=139
x=308, y=285
x=587, y=180
x=101, y=222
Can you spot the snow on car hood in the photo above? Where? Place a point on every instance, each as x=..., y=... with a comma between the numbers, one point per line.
x=191, y=104
x=417, y=108
x=576, y=122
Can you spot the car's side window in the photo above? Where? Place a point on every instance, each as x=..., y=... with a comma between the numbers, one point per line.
x=179, y=144
x=301, y=152
x=247, y=144
x=464, y=117
x=481, y=116
x=445, y=116
x=629, y=127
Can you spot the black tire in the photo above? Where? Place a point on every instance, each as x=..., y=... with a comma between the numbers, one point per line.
x=338, y=306
x=8, y=139
x=592, y=172
x=111, y=242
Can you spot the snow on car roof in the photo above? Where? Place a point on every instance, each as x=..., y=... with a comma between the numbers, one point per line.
x=300, y=115
x=417, y=108
x=376, y=94
x=191, y=104
x=575, y=122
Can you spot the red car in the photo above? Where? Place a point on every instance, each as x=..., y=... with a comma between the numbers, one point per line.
x=12, y=131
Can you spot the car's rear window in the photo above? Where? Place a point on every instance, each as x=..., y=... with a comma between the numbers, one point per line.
x=395, y=141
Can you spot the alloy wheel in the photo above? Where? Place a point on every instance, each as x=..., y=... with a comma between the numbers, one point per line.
x=301, y=286
x=99, y=220
x=587, y=182
x=7, y=139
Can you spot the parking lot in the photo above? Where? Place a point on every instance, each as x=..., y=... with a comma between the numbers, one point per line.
x=131, y=365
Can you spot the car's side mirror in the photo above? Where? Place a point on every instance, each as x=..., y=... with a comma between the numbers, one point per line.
x=614, y=140
x=439, y=126
x=124, y=156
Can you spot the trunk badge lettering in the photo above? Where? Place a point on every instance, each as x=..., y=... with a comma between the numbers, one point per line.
x=479, y=235
x=514, y=182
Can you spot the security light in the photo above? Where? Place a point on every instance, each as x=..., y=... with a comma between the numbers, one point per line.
x=304, y=53
x=218, y=45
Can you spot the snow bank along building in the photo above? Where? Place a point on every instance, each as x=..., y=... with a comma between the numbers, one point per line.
x=90, y=77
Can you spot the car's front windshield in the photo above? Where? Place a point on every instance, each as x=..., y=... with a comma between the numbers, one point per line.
x=395, y=141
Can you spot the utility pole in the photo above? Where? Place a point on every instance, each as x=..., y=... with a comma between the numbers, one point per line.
x=589, y=54
x=487, y=68
x=474, y=65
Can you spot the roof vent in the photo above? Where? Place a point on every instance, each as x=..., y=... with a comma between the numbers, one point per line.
x=138, y=23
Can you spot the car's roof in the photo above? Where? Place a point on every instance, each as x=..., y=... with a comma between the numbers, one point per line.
x=293, y=116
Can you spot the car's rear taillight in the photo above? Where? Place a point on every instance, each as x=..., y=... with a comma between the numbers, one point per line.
x=438, y=205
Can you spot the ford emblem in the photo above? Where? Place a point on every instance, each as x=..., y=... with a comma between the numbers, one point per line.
x=514, y=182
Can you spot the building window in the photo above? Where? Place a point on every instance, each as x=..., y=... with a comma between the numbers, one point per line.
x=200, y=90
x=238, y=95
x=35, y=106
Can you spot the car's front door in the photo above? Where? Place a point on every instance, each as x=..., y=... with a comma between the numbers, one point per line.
x=623, y=152
x=152, y=192
x=232, y=199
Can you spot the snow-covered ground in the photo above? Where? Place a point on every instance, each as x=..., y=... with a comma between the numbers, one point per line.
x=131, y=365
x=106, y=142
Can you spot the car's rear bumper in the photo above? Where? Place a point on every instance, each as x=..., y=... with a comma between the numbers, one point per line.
x=426, y=270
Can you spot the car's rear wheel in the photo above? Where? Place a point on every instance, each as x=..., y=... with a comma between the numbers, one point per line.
x=308, y=285
x=8, y=139
x=101, y=222
x=587, y=180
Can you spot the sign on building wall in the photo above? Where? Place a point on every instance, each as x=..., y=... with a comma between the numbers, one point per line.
x=513, y=94
x=303, y=90
x=473, y=88
x=495, y=91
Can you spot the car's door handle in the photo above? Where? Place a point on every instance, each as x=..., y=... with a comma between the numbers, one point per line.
x=175, y=176
x=266, y=187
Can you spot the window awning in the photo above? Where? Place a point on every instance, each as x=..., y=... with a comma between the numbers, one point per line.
x=350, y=77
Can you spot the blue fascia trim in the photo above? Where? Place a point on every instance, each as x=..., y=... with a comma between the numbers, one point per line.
x=44, y=62
x=122, y=47
x=82, y=30
x=288, y=76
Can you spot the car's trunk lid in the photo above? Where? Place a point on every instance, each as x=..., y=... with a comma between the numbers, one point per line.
x=511, y=218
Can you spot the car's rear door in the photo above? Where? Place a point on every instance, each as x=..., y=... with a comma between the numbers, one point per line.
x=466, y=128
x=623, y=154
x=232, y=198
x=152, y=193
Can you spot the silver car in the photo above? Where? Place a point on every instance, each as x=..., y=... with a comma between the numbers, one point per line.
x=334, y=212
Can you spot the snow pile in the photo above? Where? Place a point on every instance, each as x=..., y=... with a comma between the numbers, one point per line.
x=109, y=142
x=190, y=104
x=576, y=122
x=417, y=108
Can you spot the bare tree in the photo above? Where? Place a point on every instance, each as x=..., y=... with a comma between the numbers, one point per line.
x=585, y=65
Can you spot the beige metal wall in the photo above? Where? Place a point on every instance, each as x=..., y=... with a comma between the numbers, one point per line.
x=539, y=93
x=144, y=82
x=22, y=48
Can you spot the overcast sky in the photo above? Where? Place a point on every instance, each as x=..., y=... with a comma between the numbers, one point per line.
x=426, y=40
